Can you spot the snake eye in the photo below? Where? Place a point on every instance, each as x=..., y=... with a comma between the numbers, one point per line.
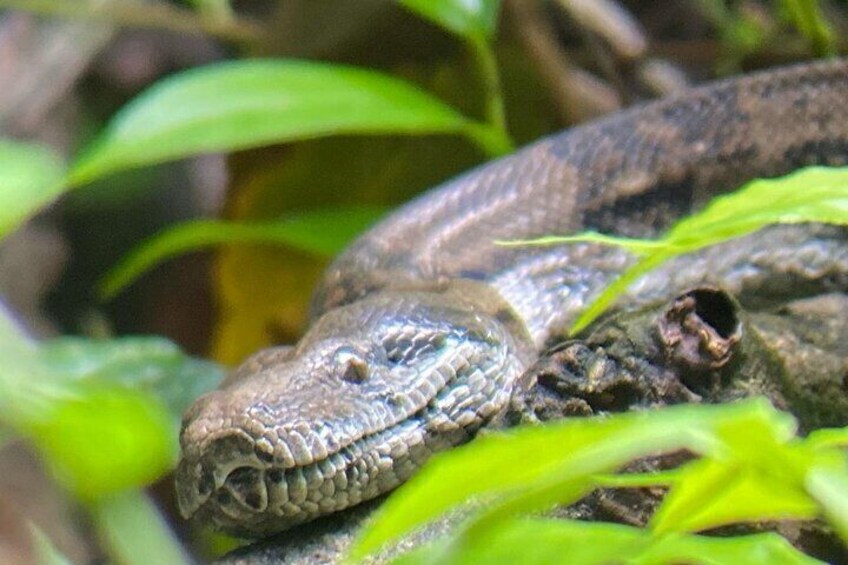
x=354, y=369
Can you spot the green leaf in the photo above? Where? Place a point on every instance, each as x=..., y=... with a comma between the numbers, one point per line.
x=323, y=232
x=30, y=177
x=236, y=105
x=716, y=493
x=149, y=364
x=815, y=194
x=134, y=531
x=106, y=440
x=828, y=484
x=541, y=541
x=466, y=18
x=584, y=448
x=104, y=415
x=828, y=437
x=808, y=17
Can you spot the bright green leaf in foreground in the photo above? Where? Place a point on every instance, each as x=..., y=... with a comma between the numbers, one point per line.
x=466, y=18
x=106, y=440
x=236, y=105
x=30, y=177
x=713, y=493
x=558, y=463
x=815, y=194
x=829, y=486
x=103, y=414
x=752, y=467
x=135, y=532
x=323, y=232
x=542, y=541
x=152, y=365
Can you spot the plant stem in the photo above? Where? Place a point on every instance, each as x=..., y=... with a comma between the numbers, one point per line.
x=492, y=140
x=135, y=14
x=487, y=66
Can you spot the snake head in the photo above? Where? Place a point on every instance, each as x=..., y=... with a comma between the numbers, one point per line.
x=372, y=390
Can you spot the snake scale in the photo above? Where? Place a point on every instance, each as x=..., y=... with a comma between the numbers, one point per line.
x=423, y=324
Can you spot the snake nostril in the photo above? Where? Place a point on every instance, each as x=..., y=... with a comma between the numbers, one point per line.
x=223, y=498
x=253, y=500
x=206, y=483
x=242, y=477
x=246, y=485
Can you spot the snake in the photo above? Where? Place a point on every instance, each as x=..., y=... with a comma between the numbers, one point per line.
x=422, y=326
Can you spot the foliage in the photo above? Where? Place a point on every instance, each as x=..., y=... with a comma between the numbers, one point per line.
x=30, y=177
x=815, y=194
x=324, y=232
x=240, y=104
x=752, y=467
x=104, y=414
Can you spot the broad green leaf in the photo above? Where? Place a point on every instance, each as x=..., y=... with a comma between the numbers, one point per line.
x=106, y=440
x=541, y=541
x=710, y=494
x=134, y=531
x=466, y=18
x=30, y=177
x=236, y=105
x=828, y=484
x=584, y=449
x=323, y=232
x=149, y=364
x=828, y=437
x=703, y=430
x=815, y=194
x=103, y=414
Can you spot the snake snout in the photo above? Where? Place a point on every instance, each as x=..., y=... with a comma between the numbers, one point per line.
x=225, y=481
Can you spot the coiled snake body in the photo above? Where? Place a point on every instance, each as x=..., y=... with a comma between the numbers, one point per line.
x=423, y=324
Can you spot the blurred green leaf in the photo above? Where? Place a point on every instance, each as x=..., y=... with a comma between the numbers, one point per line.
x=149, y=364
x=135, y=532
x=542, y=541
x=30, y=177
x=106, y=439
x=814, y=194
x=104, y=414
x=546, y=476
x=323, y=232
x=807, y=17
x=829, y=486
x=745, y=484
x=466, y=18
x=710, y=494
x=236, y=105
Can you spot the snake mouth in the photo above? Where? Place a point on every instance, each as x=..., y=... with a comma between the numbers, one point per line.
x=251, y=487
x=276, y=464
x=253, y=494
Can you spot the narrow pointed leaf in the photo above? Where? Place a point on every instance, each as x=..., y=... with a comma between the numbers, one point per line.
x=30, y=177
x=236, y=105
x=323, y=232
x=466, y=18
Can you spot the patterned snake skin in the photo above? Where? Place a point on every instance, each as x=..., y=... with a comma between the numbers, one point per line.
x=423, y=324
